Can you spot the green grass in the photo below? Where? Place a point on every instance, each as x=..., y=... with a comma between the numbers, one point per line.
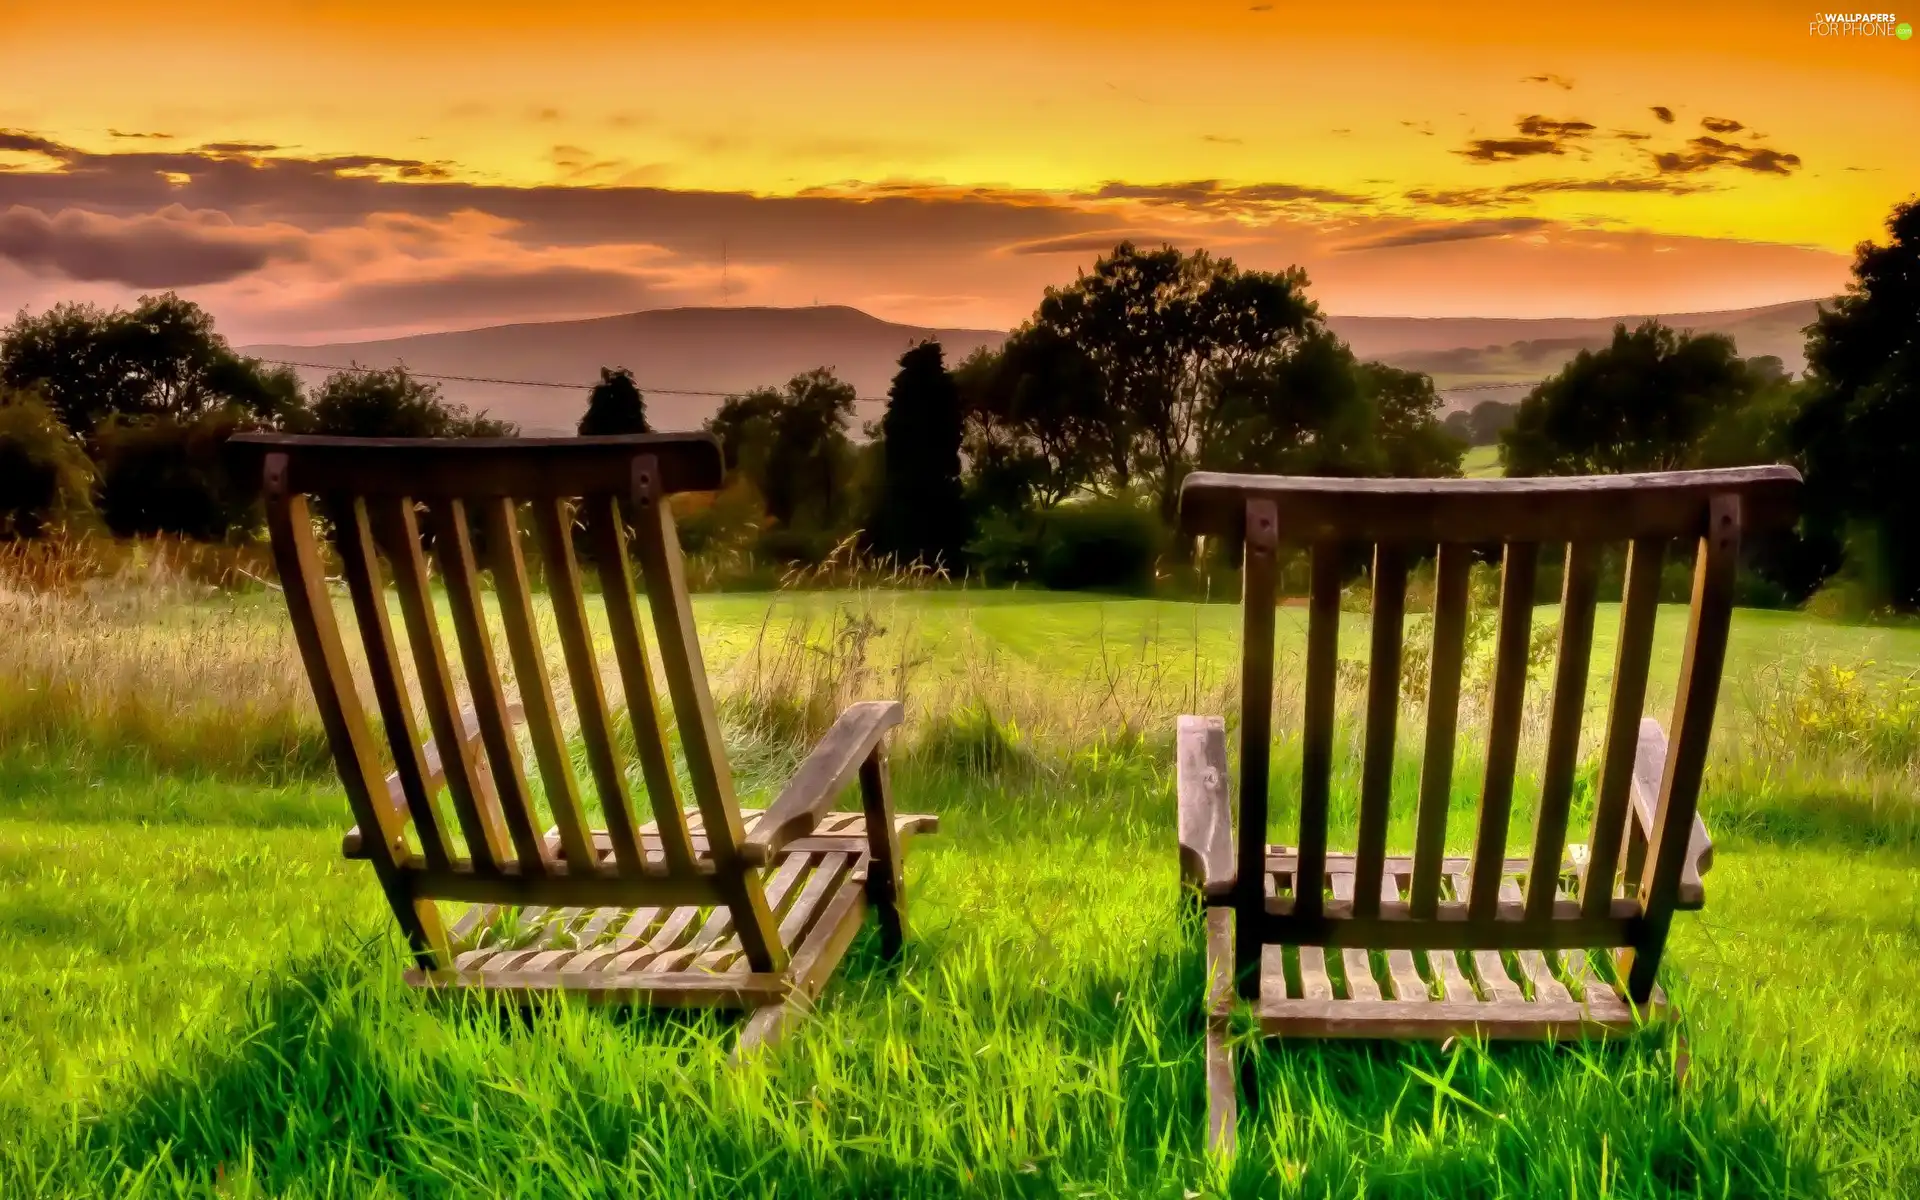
x=200, y=997
x=1481, y=462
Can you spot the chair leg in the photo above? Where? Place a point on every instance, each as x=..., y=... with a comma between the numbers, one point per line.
x=886, y=881
x=1223, y=1102
x=767, y=1026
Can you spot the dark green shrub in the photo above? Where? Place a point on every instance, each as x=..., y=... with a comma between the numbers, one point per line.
x=1106, y=544
x=167, y=475
x=46, y=480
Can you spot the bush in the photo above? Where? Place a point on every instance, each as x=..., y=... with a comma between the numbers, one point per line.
x=46, y=480
x=1100, y=544
x=165, y=475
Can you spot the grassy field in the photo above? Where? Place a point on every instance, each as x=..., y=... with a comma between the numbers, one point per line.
x=1481, y=462
x=202, y=998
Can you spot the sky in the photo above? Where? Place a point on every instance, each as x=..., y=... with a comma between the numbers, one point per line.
x=314, y=170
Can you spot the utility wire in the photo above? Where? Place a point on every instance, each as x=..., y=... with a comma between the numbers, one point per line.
x=534, y=383
x=667, y=391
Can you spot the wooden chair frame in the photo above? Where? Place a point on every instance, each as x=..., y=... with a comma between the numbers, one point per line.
x=718, y=906
x=1430, y=945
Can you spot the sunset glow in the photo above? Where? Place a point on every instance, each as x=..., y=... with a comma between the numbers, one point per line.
x=328, y=168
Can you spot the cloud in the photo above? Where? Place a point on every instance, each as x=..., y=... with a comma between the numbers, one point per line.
x=1721, y=125
x=163, y=137
x=22, y=142
x=1663, y=112
x=168, y=249
x=1223, y=141
x=1631, y=135
x=1493, y=150
x=1522, y=192
x=241, y=148
x=1559, y=81
x=1214, y=196
x=1459, y=231
x=1538, y=126
x=1706, y=153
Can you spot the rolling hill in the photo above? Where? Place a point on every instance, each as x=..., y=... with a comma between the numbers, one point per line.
x=687, y=358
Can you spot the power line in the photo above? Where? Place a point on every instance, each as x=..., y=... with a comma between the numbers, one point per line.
x=667, y=391
x=535, y=383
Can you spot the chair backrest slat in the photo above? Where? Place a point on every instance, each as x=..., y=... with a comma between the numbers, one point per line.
x=1443, y=716
x=1579, y=588
x=453, y=553
x=607, y=535
x=553, y=527
x=1512, y=637
x=515, y=597
x=1701, y=663
x=1258, y=582
x=1485, y=905
x=394, y=528
x=1383, y=719
x=360, y=565
x=303, y=582
x=1316, y=759
x=658, y=546
x=1633, y=655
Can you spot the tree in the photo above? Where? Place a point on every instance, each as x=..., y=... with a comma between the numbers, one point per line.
x=393, y=404
x=615, y=405
x=1155, y=327
x=1036, y=422
x=921, y=509
x=162, y=358
x=1408, y=439
x=1644, y=402
x=809, y=467
x=46, y=480
x=1483, y=424
x=1858, y=435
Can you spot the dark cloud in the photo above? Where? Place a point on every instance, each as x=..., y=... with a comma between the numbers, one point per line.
x=1223, y=141
x=1631, y=135
x=1537, y=126
x=1559, y=81
x=1085, y=243
x=236, y=148
x=1211, y=195
x=1519, y=193
x=22, y=142
x=1721, y=125
x=1705, y=153
x=1458, y=231
x=1663, y=112
x=1538, y=135
x=1493, y=150
x=161, y=137
x=167, y=249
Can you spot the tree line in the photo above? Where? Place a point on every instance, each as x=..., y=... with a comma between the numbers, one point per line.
x=1058, y=456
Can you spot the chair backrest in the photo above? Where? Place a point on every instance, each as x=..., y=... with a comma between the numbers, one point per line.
x=1399, y=518
x=381, y=495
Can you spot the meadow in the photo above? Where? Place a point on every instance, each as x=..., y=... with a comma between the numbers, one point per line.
x=201, y=998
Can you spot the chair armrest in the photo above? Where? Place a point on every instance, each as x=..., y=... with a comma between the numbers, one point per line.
x=351, y=846
x=1649, y=768
x=821, y=778
x=1206, y=820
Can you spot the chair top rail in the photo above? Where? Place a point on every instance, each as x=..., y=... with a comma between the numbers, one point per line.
x=524, y=468
x=1545, y=508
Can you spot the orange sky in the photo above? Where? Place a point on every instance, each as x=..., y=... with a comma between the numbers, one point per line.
x=933, y=163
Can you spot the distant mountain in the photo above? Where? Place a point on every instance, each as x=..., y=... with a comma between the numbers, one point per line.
x=722, y=350
x=1513, y=353
x=718, y=350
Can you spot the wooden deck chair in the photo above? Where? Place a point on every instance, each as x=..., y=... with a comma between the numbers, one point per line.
x=715, y=907
x=1368, y=944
